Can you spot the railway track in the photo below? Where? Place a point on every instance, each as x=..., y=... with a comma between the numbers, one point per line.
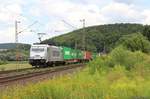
x=17, y=72
x=11, y=78
x=10, y=71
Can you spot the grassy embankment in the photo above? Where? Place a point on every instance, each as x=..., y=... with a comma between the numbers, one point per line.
x=14, y=65
x=120, y=75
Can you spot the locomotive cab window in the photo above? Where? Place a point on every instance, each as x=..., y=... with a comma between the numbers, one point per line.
x=37, y=49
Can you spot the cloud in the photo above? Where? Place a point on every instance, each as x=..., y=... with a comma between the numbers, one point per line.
x=119, y=12
x=73, y=12
x=7, y=35
x=125, y=1
x=51, y=13
x=9, y=12
x=146, y=19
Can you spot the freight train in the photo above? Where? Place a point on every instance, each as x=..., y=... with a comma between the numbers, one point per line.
x=43, y=55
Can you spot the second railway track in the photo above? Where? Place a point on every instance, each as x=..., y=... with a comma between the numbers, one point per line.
x=16, y=70
x=8, y=79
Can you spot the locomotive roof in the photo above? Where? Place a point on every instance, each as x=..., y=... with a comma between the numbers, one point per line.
x=44, y=45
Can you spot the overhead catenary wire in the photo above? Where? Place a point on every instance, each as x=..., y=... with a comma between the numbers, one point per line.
x=69, y=24
x=28, y=27
x=75, y=42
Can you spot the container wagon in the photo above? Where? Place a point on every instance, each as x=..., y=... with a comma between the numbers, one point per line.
x=69, y=55
x=42, y=55
x=87, y=56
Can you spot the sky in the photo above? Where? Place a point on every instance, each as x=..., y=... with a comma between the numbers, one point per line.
x=53, y=16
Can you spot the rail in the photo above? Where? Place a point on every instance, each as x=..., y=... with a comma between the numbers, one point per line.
x=12, y=78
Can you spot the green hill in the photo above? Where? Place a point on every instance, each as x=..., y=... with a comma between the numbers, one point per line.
x=98, y=38
x=14, y=46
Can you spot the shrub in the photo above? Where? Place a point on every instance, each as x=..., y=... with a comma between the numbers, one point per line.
x=135, y=42
x=124, y=57
x=146, y=32
x=120, y=56
x=3, y=62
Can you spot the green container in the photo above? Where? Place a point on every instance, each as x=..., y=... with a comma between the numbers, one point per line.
x=80, y=54
x=74, y=54
x=67, y=53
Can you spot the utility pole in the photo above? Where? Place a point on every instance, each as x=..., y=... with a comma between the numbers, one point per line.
x=16, y=38
x=83, y=35
x=16, y=41
x=16, y=31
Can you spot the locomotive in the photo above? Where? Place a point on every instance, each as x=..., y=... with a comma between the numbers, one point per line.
x=43, y=55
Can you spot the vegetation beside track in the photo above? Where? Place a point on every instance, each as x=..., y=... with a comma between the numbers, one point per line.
x=8, y=52
x=15, y=65
x=120, y=75
x=3, y=62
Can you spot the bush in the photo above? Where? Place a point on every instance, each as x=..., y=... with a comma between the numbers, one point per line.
x=10, y=55
x=124, y=57
x=3, y=62
x=135, y=42
x=120, y=56
x=146, y=32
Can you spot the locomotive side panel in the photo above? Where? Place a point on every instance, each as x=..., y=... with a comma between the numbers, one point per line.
x=55, y=54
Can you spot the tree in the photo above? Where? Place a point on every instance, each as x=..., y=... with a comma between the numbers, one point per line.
x=135, y=42
x=98, y=38
x=146, y=32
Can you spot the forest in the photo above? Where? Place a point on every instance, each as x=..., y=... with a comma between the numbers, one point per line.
x=101, y=38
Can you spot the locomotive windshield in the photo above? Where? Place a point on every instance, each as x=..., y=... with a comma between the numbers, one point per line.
x=37, y=49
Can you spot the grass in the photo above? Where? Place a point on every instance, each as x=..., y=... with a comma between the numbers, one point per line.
x=107, y=77
x=14, y=65
x=115, y=84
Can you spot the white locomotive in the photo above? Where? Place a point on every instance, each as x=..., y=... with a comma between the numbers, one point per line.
x=44, y=55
